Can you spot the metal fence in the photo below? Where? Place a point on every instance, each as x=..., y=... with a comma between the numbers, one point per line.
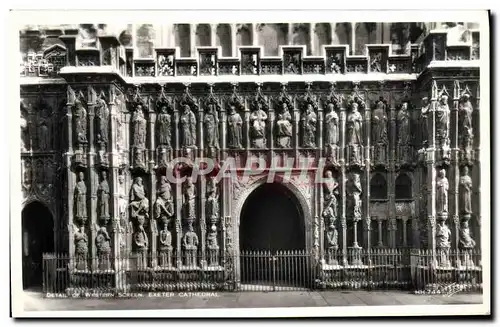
x=424, y=271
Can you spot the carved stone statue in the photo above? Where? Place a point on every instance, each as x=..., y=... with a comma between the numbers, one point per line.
x=139, y=128
x=212, y=201
x=102, y=242
x=465, y=122
x=379, y=124
x=164, y=206
x=81, y=199
x=213, y=247
x=24, y=130
x=403, y=123
x=354, y=191
x=122, y=201
x=189, y=194
x=211, y=122
x=332, y=237
x=81, y=248
x=284, y=127
x=258, y=119
x=443, y=121
x=103, y=193
x=331, y=126
x=164, y=127
x=80, y=121
x=443, y=234
x=424, y=136
x=465, y=193
x=354, y=126
x=190, y=244
x=43, y=129
x=165, y=247
x=442, y=193
x=309, y=119
x=141, y=240
x=139, y=203
x=330, y=189
x=102, y=115
x=234, y=133
x=188, y=127
x=466, y=240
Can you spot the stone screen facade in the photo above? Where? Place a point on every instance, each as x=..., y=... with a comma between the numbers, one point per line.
x=385, y=115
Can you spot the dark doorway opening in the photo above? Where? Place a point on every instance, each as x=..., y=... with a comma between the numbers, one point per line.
x=37, y=238
x=272, y=238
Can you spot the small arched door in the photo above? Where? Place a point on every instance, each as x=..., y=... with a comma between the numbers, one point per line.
x=272, y=239
x=37, y=238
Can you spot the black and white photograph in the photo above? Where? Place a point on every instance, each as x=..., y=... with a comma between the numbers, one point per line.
x=183, y=163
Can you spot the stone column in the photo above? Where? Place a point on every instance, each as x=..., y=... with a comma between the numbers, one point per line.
x=192, y=39
x=343, y=176
x=391, y=178
x=233, y=40
x=255, y=34
x=353, y=38
x=311, y=39
x=152, y=185
x=367, y=176
x=200, y=137
x=201, y=188
x=178, y=223
x=70, y=180
x=431, y=174
x=455, y=168
x=213, y=35
x=476, y=170
x=92, y=181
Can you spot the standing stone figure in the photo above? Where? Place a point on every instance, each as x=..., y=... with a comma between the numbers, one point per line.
x=465, y=192
x=80, y=121
x=331, y=126
x=139, y=203
x=81, y=199
x=465, y=122
x=284, y=127
x=189, y=201
x=164, y=123
x=466, y=240
x=379, y=124
x=354, y=189
x=211, y=122
x=43, y=130
x=443, y=122
x=424, y=124
x=141, y=240
x=442, y=193
x=234, y=124
x=258, y=119
x=102, y=115
x=188, y=127
x=403, y=123
x=190, y=243
x=354, y=136
x=212, y=201
x=103, y=192
x=309, y=119
x=139, y=128
x=24, y=130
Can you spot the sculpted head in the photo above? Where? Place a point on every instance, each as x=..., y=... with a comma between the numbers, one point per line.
x=138, y=180
x=354, y=107
x=81, y=175
x=425, y=101
x=232, y=109
x=186, y=108
x=465, y=170
x=465, y=97
x=442, y=173
x=330, y=106
x=284, y=106
x=328, y=174
x=404, y=106
x=444, y=99
x=104, y=175
x=309, y=107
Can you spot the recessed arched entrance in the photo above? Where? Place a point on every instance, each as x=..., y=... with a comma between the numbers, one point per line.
x=272, y=238
x=37, y=238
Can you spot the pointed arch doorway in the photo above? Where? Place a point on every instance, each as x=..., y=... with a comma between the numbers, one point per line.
x=273, y=240
x=37, y=238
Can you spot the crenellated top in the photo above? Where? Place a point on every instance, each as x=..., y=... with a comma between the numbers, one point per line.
x=108, y=56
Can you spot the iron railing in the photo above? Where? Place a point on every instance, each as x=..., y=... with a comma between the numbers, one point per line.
x=424, y=271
